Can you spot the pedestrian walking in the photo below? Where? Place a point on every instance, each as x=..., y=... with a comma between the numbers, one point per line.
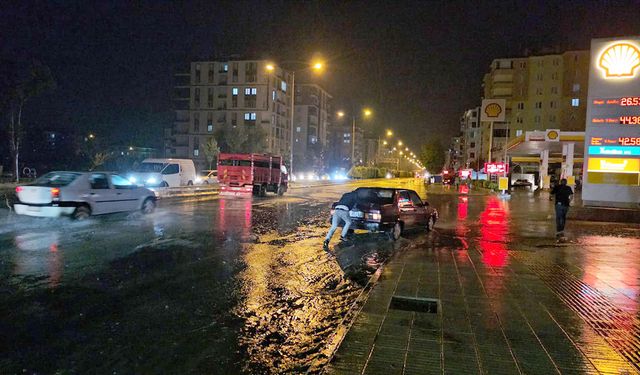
x=341, y=213
x=563, y=195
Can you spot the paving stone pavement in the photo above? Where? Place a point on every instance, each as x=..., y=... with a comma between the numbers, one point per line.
x=558, y=309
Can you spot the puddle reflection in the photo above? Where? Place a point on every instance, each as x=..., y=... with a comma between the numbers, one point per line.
x=494, y=232
x=39, y=255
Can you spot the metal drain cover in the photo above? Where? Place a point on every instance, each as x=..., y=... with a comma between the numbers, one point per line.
x=426, y=305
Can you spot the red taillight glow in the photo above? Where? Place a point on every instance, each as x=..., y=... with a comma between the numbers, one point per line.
x=55, y=193
x=18, y=189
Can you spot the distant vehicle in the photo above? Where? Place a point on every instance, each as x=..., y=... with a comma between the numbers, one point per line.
x=390, y=210
x=447, y=178
x=521, y=183
x=82, y=194
x=164, y=173
x=207, y=177
x=252, y=174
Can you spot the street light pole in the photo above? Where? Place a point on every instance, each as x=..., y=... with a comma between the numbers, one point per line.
x=353, y=140
x=293, y=98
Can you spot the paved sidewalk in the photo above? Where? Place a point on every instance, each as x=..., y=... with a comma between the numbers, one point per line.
x=507, y=304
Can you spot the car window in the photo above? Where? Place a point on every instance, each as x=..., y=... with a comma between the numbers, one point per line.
x=379, y=196
x=150, y=167
x=56, y=179
x=171, y=169
x=99, y=181
x=415, y=199
x=120, y=182
x=404, y=200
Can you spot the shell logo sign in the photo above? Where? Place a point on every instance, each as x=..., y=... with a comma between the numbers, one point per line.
x=552, y=135
x=619, y=60
x=493, y=110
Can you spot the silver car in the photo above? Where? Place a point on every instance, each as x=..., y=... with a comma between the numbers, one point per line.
x=82, y=194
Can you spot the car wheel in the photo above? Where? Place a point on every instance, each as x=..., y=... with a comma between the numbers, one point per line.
x=395, y=232
x=81, y=213
x=280, y=190
x=148, y=206
x=164, y=184
x=430, y=223
x=263, y=190
x=189, y=183
x=206, y=182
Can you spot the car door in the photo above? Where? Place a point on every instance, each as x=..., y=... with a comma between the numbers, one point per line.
x=407, y=211
x=171, y=174
x=101, y=195
x=421, y=209
x=127, y=196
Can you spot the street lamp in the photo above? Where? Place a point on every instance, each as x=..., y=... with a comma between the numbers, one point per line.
x=317, y=66
x=389, y=133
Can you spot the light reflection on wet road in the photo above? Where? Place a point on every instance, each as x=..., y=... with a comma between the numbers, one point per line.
x=238, y=285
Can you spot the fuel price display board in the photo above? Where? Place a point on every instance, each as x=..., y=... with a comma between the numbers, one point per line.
x=612, y=139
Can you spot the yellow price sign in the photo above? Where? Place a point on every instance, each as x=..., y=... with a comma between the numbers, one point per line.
x=571, y=180
x=503, y=183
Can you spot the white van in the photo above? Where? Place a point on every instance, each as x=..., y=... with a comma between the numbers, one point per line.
x=164, y=173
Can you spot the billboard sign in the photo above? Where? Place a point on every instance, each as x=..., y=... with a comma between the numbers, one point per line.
x=496, y=168
x=611, y=176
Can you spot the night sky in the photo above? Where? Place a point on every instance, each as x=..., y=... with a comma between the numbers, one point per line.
x=419, y=65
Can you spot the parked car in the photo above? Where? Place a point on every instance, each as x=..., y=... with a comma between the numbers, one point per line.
x=522, y=183
x=207, y=177
x=164, y=173
x=390, y=210
x=82, y=194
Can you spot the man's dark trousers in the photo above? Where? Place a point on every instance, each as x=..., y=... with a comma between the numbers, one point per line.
x=561, y=217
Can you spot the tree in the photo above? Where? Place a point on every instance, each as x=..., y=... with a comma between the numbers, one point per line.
x=16, y=91
x=432, y=156
x=211, y=150
x=98, y=159
x=236, y=138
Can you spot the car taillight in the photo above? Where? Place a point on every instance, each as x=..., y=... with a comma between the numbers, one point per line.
x=55, y=193
x=374, y=216
x=18, y=189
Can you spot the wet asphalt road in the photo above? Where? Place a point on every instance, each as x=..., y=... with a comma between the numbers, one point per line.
x=226, y=285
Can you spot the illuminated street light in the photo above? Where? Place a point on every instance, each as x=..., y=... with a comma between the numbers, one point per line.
x=367, y=112
x=270, y=67
x=317, y=66
x=389, y=133
x=399, y=143
x=384, y=143
x=91, y=136
x=340, y=114
x=406, y=148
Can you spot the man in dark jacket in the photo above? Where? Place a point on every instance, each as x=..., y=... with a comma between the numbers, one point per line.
x=341, y=212
x=563, y=194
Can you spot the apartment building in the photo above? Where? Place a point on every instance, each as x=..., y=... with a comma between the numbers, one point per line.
x=225, y=99
x=541, y=92
x=471, y=138
x=312, y=124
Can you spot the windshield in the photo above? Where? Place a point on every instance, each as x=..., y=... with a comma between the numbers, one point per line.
x=56, y=179
x=379, y=196
x=150, y=167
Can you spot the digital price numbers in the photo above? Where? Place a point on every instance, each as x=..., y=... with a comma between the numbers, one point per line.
x=630, y=120
x=630, y=101
x=629, y=141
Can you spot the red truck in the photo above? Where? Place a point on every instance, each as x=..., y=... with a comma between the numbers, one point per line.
x=251, y=173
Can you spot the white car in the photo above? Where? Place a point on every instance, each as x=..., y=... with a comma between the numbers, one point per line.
x=82, y=194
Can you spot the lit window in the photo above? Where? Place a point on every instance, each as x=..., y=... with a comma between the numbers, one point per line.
x=196, y=152
x=575, y=102
x=209, y=128
x=253, y=116
x=518, y=132
x=225, y=67
x=234, y=91
x=283, y=86
x=247, y=116
x=273, y=95
x=247, y=91
x=254, y=91
x=298, y=129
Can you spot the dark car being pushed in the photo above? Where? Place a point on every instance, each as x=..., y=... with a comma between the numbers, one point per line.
x=390, y=210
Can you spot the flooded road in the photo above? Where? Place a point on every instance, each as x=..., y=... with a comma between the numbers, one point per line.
x=227, y=285
x=235, y=285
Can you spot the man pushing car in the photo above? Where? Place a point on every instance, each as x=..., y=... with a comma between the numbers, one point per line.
x=341, y=213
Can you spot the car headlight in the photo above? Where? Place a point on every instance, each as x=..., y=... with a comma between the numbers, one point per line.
x=151, y=180
x=374, y=216
x=198, y=180
x=132, y=179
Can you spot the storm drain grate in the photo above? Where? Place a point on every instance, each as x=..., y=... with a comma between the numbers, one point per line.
x=619, y=328
x=406, y=303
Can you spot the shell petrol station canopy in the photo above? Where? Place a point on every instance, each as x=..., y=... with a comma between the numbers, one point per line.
x=527, y=147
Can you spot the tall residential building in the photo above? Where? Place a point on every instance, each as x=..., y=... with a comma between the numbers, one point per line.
x=312, y=124
x=226, y=97
x=471, y=138
x=541, y=92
